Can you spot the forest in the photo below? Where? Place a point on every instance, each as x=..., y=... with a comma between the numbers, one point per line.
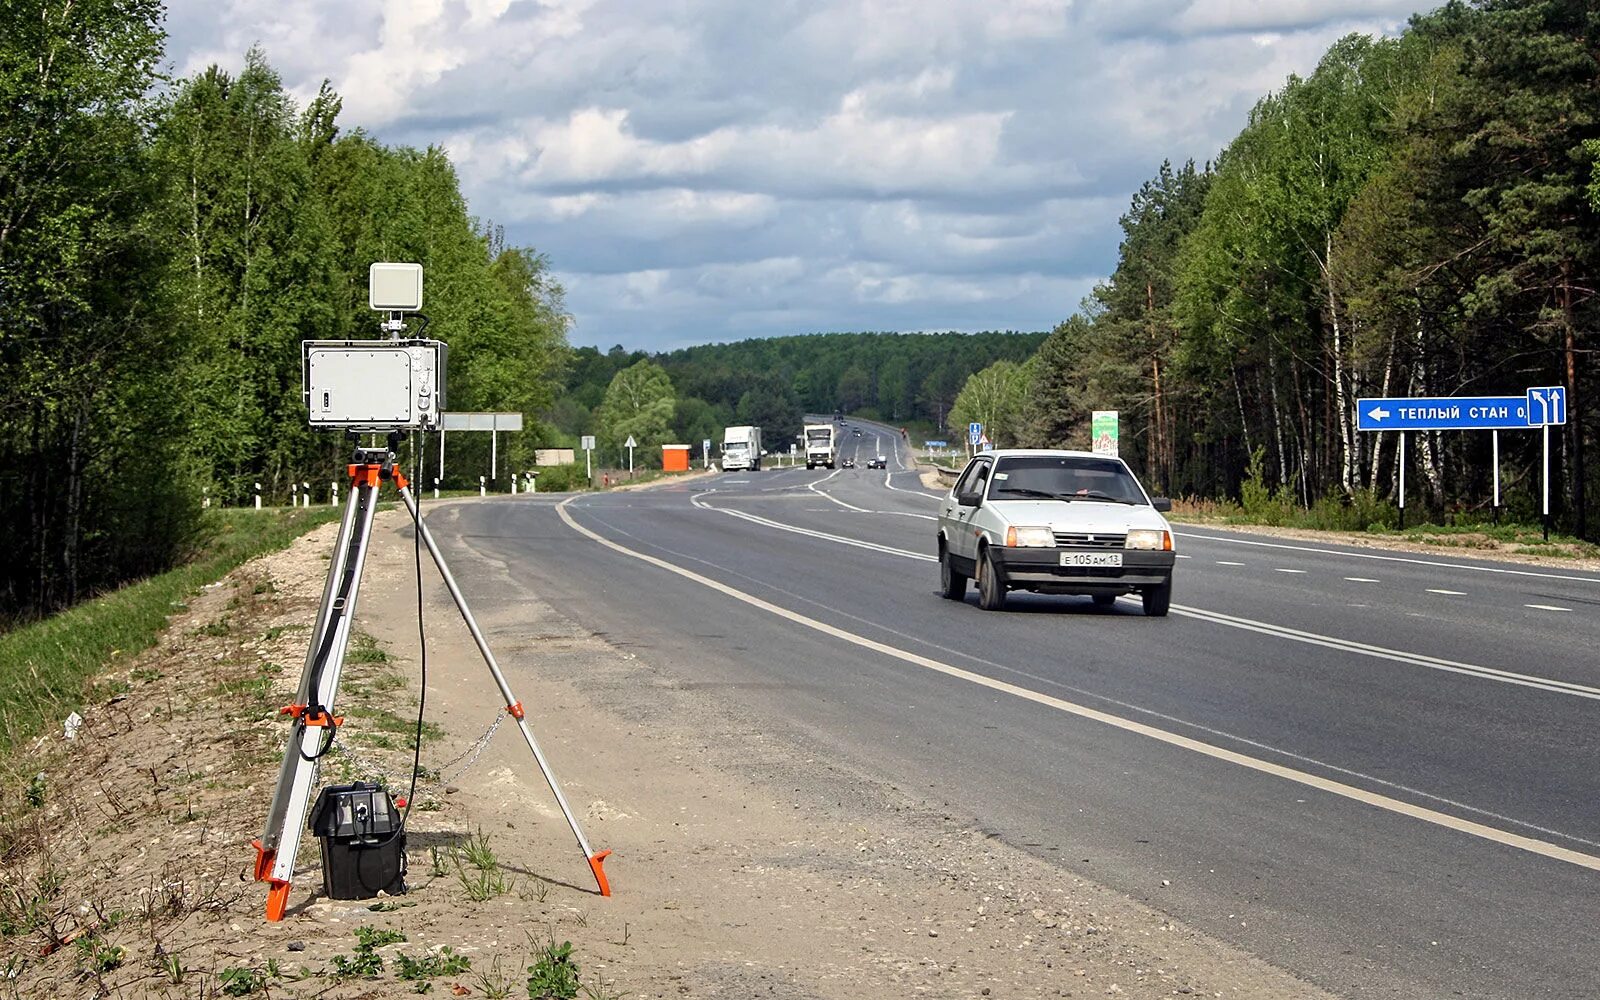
x=1417, y=217
x=164, y=246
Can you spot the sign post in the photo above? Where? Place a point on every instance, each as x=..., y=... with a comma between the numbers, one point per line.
x=1402, y=462
x=494, y=423
x=588, y=456
x=1103, y=432
x=630, y=445
x=1547, y=405
x=1495, y=449
x=705, y=452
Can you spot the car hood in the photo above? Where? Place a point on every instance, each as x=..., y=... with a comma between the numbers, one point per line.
x=1080, y=515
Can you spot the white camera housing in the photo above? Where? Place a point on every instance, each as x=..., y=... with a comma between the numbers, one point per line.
x=374, y=385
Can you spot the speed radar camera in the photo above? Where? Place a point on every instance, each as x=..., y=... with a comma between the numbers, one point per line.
x=378, y=386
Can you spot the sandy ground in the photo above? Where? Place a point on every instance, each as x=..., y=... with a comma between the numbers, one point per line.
x=734, y=876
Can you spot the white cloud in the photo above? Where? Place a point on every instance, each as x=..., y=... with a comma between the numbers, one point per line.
x=722, y=168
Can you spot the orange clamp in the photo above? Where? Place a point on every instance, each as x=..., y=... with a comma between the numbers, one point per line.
x=364, y=475
x=264, y=860
x=515, y=708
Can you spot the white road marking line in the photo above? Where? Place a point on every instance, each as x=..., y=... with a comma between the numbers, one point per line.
x=1305, y=778
x=1383, y=558
x=1546, y=607
x=1265, y=628
x=1361, y=579
x=829, y=496
x=1280, y=569
x=1224, y=562
x=1451, y=593
x=1182, y=556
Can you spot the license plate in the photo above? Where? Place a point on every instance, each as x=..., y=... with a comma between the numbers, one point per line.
x=1091, y=559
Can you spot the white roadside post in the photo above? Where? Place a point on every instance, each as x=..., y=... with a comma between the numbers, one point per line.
x=1495, y=447
x=436, y=479
x=305, y=493
x=258, y=496
x=1544, y=482
x=294, y=494
x=513, y=484
x=333, y=494
x=1402, y=461
x=483, y=487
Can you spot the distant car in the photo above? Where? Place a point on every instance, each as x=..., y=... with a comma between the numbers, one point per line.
x=1054, y=522
x=858, y=433
x=848, y=463
x=878, y=463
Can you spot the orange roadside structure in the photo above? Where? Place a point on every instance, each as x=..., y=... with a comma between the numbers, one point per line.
x=674, y=458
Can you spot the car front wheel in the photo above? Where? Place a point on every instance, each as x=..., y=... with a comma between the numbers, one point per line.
x=1157, y=599
x=991, y=592
x=952, y=584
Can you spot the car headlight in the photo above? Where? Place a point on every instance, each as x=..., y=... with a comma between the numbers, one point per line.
x=1149, y=538
x=1030, y=538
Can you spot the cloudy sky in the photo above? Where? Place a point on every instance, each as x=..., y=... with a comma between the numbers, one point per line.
x=729, y=168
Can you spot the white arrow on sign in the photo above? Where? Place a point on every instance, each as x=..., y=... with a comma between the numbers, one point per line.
x=1378, y=413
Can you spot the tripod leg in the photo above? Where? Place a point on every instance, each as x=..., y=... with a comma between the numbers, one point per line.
x=513, y=706
x=312, y=710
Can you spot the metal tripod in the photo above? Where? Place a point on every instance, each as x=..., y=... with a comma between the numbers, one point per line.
x=315, y=725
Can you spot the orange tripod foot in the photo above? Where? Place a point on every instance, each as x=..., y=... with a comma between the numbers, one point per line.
x=277, y=900
x=597, y=865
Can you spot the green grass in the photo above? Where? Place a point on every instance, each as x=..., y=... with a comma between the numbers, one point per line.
x=48, y=662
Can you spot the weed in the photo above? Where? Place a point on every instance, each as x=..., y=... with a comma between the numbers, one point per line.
x=537, y=890
x=238, y=982
x=494, y=982
x=263, y=587
x=366, y=963
x=486, y=880
x=36, y=790
x=216, y=629
x=443, y=962
x=98, y=957
x=172, y=968
x=368, y=938
x=438, y=869
x=553, y=974
x=364, y=648
x=600, y=991
x=145, y=674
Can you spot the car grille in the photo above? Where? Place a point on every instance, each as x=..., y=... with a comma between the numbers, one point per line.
x=1086, y=540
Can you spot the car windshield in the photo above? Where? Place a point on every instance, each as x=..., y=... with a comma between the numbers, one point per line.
x=1063, y=477
x=735, y=446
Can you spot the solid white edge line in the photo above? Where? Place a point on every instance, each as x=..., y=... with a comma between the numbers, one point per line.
x=1387, y=558
x=1339, y=788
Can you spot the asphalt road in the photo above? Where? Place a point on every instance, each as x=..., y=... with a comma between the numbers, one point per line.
x=1376, y=770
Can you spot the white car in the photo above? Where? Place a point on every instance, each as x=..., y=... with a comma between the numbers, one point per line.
x=1054, y=522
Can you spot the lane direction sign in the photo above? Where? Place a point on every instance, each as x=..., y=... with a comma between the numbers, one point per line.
x=1447, y=413
x=1547, y=405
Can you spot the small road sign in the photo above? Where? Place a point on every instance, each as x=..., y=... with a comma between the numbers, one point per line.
x=588, y=442
x=1446, y=413
x=630, y=443
x=974, y=432
x=1103, y=432
x=1547, y=405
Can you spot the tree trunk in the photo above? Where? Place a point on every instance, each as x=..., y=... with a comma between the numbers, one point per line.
x=1574, y=410
x=1347, y=457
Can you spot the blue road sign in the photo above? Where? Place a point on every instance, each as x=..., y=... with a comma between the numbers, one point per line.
x=974, y=432
x=1448, y=413
x=936, y=444
x=1547, y=405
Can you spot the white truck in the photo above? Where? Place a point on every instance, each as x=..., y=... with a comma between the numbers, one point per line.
x=741, y=449
x=821, y=447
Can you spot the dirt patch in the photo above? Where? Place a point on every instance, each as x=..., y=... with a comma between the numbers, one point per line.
x=128, y=875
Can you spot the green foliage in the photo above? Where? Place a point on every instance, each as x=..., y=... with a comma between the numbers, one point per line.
x=561, y=478
x=553, y=974
x=366, y=963
x=995, y=397
x=54, y=657
x=639, y=404
x=241, y=982
x=443, y=962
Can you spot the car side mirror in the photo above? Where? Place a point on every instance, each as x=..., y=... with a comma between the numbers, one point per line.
x=1161, y=504
x=971, y=499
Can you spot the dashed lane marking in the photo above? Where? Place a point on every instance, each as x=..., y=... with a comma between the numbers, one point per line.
x=1280, y=569
x=1448, y=593
x=1361, y=579
x=1224, y=562
x=1257, y=764
x=1546, y=607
